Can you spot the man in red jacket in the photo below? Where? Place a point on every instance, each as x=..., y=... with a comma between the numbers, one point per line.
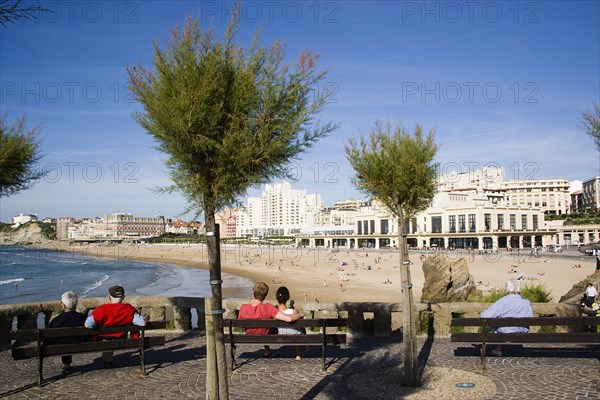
x=114, y=313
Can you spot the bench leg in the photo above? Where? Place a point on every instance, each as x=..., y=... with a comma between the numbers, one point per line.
x=143, y=361
x=483, y=349
x=232, y=354
x=40, y=371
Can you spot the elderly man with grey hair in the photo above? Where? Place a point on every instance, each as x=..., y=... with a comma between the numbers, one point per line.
x=68, y=318
x=510, y=306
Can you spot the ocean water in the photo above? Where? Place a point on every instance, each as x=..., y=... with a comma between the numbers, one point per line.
x=35, y=275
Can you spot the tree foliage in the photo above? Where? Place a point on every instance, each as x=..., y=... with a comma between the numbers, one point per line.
x=395, y=167
x=591, y=123
x=19, y=153
x=227, y=117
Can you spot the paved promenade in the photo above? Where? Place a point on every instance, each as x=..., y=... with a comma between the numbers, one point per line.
x=177, y=371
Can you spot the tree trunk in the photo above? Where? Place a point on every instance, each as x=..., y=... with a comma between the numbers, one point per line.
x=216, y=359
x=212, y=378
x=409, y=338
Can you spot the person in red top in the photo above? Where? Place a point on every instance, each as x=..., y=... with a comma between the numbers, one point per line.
x=114, y=313
x=259, y=310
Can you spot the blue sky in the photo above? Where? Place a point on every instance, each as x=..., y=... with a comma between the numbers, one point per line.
x=502, y=83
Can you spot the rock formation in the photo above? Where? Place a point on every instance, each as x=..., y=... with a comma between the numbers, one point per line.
x=24, y=235
x=575, y=295
x=446, y=281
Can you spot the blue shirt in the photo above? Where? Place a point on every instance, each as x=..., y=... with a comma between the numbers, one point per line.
x=510, y=306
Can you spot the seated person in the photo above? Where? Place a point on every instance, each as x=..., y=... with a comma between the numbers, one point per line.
x=283, y=295
x=68, y=318
x=114, y=313
x=510, y=306
x=259, y=310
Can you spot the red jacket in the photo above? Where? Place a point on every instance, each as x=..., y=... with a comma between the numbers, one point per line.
x=114, y=314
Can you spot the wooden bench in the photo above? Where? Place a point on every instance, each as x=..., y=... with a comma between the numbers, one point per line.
x=321, y=338
x=22, y=348
x=486, y=334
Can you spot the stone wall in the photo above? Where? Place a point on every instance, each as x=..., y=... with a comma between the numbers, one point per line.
x=378, y=319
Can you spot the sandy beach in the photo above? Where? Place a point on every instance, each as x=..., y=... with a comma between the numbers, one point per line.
x=351, y=275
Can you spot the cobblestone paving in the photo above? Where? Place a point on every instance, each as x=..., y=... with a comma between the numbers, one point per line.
x=177, y=371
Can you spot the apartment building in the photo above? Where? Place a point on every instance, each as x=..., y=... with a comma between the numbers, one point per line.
x=279, y=211
x=341, y=213
x=227, y=220
x=590, y=195
x=552, y=196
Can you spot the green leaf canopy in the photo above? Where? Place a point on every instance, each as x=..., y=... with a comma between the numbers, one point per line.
x=19, y=154
x=395, y=167
x=227, y=117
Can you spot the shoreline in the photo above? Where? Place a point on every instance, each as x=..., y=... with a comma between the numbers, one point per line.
x=318, y=274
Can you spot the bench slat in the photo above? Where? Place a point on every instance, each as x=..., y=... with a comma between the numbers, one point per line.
x=316, y=339
x=32, y=334
x=24, y=353
x=550, y=337
x=273, y=323
x=533, y=321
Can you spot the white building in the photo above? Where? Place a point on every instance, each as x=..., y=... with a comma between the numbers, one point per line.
x=459, y=218
x=341, y=213
x=21, y=219
x=279, y=211
x=552, y=196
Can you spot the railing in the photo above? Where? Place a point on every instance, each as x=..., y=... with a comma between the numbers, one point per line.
x=187, y=313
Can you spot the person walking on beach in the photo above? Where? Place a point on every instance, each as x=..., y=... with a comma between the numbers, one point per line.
x=510, y=306
x=68, y=318
x=114, y=313
x=259, y=310
x=283, y=295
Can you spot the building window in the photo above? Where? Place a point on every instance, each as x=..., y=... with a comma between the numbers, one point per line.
x=500, y=221
x=472, y=223
x=359, y=226
x=436, y=224
x=384, y=226
x=366, y=227
x=513, y=221
x=462, y=227
x=535, y=223
x=487, y=221
x=452, y=223
x=524, y=222
x=372, y=226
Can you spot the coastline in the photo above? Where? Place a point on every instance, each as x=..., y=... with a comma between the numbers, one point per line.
x=319, y=274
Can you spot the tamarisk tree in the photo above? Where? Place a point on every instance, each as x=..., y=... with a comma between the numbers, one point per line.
x=19, y=154
x=397, y=169
x=228, y=118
